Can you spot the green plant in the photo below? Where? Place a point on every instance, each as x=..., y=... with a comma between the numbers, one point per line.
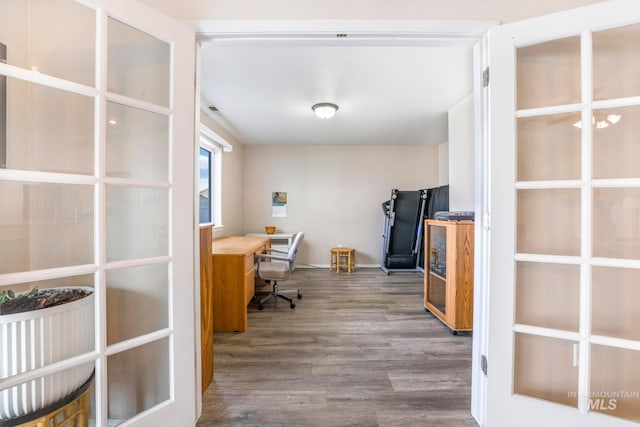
x=9, y=294
x=6, y=295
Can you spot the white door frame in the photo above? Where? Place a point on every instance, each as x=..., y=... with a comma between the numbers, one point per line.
x=383, y=33
x=482, y=232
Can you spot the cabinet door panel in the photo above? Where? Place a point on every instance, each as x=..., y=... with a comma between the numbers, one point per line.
x=448, y=289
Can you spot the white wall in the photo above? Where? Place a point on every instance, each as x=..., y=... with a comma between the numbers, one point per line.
x=461, y=156
x=501, y=10
x=443, y=164
x=335, y=193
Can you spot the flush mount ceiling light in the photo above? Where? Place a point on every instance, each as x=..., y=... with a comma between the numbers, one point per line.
x=325, y=110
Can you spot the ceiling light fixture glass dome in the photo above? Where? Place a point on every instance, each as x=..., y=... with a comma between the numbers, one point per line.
x=325, y=110
x=611, y=119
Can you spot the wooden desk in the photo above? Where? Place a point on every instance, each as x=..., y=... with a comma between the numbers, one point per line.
x=234, y=280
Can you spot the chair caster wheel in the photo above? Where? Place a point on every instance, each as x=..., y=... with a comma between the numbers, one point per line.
x=292, y=305
x=299, y=296
x=260, y=307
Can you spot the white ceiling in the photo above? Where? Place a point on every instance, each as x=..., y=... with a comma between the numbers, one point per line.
x=387, y=93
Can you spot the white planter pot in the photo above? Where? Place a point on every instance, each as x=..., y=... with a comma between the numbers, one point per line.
x=38, y=338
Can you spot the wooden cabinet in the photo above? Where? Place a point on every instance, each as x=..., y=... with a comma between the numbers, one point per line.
x=206, y=306
x=448, y=277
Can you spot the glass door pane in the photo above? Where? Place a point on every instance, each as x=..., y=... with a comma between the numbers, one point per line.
x=548, y=221
x=141, y=295
x=45, y=225
x=139, y=64
x=137, y=143
x=137, y=222
x=615, y=296
x=616, y=222
x=49, y=129
x=615, y=147
x=548, y=295
x=437, y=290
x=548, y=73
x=543, y=368
x=38, y=37
x=138, y=380
x=615, y=62
x=547, y=148
x=614, y=382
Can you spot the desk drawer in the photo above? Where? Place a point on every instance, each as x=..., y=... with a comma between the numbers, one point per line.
x=248, y=262
x=249, y=285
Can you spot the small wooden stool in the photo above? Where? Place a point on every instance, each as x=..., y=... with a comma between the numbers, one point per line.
x=338, y=254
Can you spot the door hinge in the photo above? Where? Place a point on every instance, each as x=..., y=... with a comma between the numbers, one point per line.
x=483, y=364
x=485, y=77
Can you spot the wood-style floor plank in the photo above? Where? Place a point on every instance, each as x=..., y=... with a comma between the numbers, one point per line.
x=359, y=350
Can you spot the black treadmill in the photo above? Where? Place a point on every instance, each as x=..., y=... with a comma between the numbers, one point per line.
x=404, y=219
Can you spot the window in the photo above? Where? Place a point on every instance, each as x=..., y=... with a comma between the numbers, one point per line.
x=204, y=186
x=210, y=176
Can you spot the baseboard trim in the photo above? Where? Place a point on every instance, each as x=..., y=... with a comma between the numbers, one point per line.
x=327, y=266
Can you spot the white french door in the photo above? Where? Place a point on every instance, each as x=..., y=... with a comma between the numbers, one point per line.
x=100, y=153
x=564, y=345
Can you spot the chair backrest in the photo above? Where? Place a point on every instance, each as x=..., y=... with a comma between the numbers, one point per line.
x=293, y=250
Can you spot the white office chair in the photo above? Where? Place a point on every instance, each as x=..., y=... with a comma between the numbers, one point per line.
x=276, y=271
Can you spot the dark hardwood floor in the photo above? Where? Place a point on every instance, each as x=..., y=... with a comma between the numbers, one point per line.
x=359, y=350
